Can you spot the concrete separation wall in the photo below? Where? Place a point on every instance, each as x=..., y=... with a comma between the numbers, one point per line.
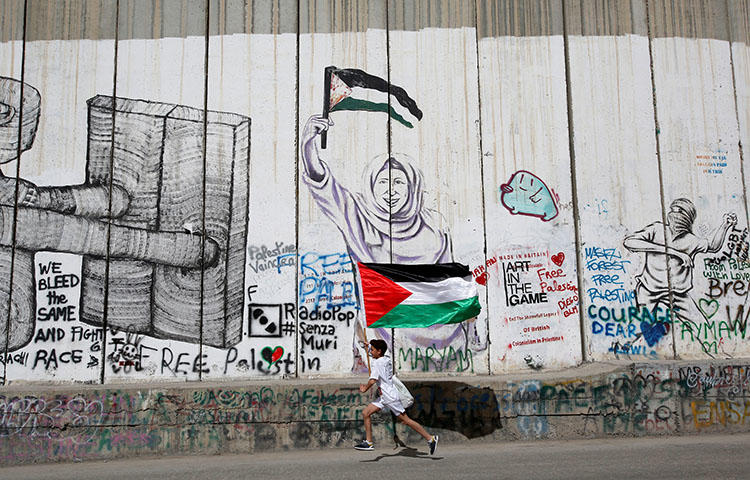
x=597, y=400
x=171, y=221
x=585, y=163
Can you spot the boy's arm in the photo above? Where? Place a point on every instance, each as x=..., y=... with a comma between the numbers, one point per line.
x=366, y=386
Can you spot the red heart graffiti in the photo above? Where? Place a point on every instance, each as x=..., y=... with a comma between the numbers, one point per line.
x=482, y=279
x=558, y=259
x=271, y=354
x=277, y=354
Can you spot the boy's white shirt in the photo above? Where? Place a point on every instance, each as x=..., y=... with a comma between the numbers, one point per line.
x=382, y=372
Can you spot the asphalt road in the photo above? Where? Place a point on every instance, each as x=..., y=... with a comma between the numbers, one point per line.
x=695, y=457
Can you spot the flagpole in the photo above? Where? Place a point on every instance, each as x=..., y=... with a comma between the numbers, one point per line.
x=326, y=102
x=367, y=349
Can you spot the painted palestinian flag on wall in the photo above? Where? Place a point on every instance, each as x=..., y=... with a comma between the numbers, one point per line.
x=408, y=296
x=353, y=89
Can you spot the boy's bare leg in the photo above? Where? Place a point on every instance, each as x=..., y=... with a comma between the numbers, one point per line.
x=404, y=418
x=369, y=410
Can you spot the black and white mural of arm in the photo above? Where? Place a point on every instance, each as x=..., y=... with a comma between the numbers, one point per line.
x=154, y=219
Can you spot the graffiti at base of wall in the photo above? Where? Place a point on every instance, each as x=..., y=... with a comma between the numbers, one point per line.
x=642, y=400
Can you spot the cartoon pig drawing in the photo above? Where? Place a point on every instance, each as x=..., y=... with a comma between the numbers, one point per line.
x=526, y=194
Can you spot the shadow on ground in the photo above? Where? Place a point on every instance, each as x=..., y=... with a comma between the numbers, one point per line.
x=410, y=452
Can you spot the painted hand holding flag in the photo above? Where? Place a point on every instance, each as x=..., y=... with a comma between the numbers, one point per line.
x=409, y=296
x=348, y=88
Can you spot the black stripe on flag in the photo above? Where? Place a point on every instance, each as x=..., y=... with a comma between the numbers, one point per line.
x=359, y=78
x=427, y=272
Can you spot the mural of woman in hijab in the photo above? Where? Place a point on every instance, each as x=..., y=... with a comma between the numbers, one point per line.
x=387, y=222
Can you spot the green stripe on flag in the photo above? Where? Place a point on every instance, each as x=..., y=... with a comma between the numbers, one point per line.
x=419, y=316
x=350, y=103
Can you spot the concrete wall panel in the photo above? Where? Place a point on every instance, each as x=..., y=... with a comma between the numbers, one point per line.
x=617, y=174
x=255, y=75
x=444, y=145
x=59, y=210
x=11, y=58
x=154, y=311
x=340, y=222
x=699, y=155
x=533, y=288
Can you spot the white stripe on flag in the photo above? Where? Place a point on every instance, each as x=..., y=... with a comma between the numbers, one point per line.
x=449, y=290
x=377, y=96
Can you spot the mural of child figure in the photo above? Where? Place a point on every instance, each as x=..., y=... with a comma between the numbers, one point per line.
x=388, y=214
x=678, y=256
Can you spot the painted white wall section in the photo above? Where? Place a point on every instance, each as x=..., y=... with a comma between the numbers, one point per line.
x=615, y=149
x=530, y=235
x=194, y=227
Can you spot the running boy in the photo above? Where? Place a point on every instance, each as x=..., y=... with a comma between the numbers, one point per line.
x=382, y=374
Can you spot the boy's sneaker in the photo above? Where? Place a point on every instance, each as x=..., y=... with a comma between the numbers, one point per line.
x=433, y=444
x=364, y=445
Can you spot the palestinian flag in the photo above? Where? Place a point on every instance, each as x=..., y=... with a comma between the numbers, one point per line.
x=408, y=296
x=352, y=89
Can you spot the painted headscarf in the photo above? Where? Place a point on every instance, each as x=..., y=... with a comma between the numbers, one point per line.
x=412, y=216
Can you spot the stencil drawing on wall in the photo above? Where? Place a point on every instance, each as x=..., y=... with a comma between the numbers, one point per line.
x=676, y=254
x=527, y=194
x=388, y=213
x=264, y=320
x=153, y=217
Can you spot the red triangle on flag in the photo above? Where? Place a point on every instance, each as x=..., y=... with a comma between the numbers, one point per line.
x=339, y=90
x=380, y=294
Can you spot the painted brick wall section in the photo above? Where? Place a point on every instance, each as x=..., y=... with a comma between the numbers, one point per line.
x=47, y=424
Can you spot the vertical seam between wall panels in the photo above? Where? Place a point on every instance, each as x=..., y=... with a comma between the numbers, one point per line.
x=739, y=131
x=15, y=201
x=661, y=178
x=389, y=125
x=737, y=118
x=298, y=355
x=105, y=300
x=390, y=154
x=203, y=203
x=481, y=187
x=573, y=181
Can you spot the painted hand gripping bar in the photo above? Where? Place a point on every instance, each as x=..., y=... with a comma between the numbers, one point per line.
x=157, y=251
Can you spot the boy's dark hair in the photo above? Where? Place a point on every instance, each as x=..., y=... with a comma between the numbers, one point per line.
x=379, y=344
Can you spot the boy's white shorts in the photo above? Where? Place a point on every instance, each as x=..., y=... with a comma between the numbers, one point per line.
x=395, y=406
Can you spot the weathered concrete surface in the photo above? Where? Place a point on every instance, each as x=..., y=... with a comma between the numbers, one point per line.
x=694, y=457
x=64, y=423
